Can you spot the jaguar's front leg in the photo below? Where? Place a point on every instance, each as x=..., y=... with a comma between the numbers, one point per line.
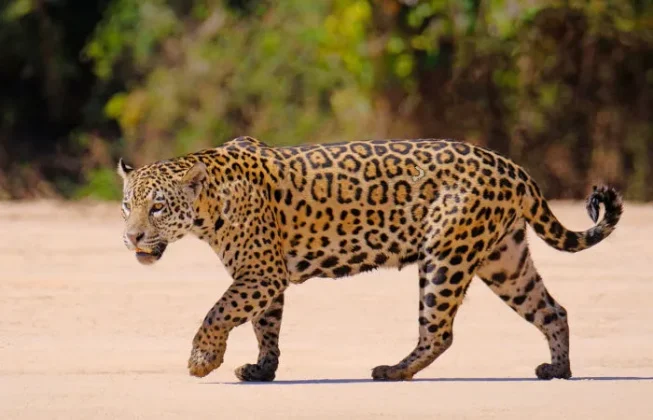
x=245, y=300
x=267, y=328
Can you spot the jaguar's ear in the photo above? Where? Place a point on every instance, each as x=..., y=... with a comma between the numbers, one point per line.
x=123, y=169
x=193, y=180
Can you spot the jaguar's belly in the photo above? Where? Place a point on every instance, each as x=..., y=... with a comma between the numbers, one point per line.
x=345, y=249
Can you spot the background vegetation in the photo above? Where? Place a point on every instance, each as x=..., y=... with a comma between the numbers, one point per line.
x=562, y=87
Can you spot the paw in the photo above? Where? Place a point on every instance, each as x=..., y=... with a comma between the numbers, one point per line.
x=551, y=371
x=390, y=373
x=255, y=373
x=203, y=361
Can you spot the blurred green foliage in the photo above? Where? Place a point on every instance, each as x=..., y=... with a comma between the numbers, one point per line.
x=562, y=87
x=283, y=71
x=101, y=184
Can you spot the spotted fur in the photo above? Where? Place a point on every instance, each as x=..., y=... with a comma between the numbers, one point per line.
x=277, y=216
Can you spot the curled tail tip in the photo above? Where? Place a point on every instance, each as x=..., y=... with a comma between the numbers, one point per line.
x=610, y=198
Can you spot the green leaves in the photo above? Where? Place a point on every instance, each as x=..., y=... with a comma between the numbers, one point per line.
x=288, y=72
x=199, y=73
x=16, y=9
x=131, y=32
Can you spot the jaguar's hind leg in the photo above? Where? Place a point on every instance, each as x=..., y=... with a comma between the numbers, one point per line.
x=511, y=274
x=444, y=275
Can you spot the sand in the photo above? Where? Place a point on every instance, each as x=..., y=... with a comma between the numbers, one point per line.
x=88, y=333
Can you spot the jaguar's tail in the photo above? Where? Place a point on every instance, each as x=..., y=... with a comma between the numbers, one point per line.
x=546, y=225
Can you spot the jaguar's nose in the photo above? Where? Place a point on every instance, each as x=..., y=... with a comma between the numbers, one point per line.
x=135, y=237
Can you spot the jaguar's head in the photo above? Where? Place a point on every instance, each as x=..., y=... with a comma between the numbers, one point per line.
x=158, y=205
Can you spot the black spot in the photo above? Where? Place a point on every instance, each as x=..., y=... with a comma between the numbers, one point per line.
x=494, y=256
x=329, y=262
x=343, y=270
x=550, y=318
x=288, y=200
x=409, y=259
x=530, y=286
x=549, y=299
x=521, y=189
x=394, y=248
x=505, y=183
x=521, y=263
x=440, y=276
x=457, y=277
x=429, y=300
x=275, y=313
x=519, y=236
x=535, y=207
x=444, y=253
x=380, y=259
x=571, y=241
x=499, y=277
x=443, y=307
x=472, y=268
x=518, y=300
x=357, y=259
x=433, y=328
x=367, y=267
x=302, y=265
x=219, y=223
x=593, y=237
x=556, y=229
x=530, y=317
x=456, y=260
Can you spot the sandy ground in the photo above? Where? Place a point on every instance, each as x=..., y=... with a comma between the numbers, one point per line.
x=88, y=333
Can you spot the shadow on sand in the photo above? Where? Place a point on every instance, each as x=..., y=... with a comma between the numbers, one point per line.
x=365, y=381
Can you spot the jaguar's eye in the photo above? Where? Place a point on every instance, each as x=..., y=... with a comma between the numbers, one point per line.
x=126, y=206
x=157, y=207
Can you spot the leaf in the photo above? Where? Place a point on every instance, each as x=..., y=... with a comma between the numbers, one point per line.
x=17, y=9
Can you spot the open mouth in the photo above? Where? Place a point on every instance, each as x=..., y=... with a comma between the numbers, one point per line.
x=151, y=256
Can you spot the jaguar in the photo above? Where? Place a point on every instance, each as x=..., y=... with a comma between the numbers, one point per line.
x=277, y=216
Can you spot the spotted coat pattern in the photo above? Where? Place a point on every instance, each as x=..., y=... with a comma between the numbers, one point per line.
x=277, y=216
